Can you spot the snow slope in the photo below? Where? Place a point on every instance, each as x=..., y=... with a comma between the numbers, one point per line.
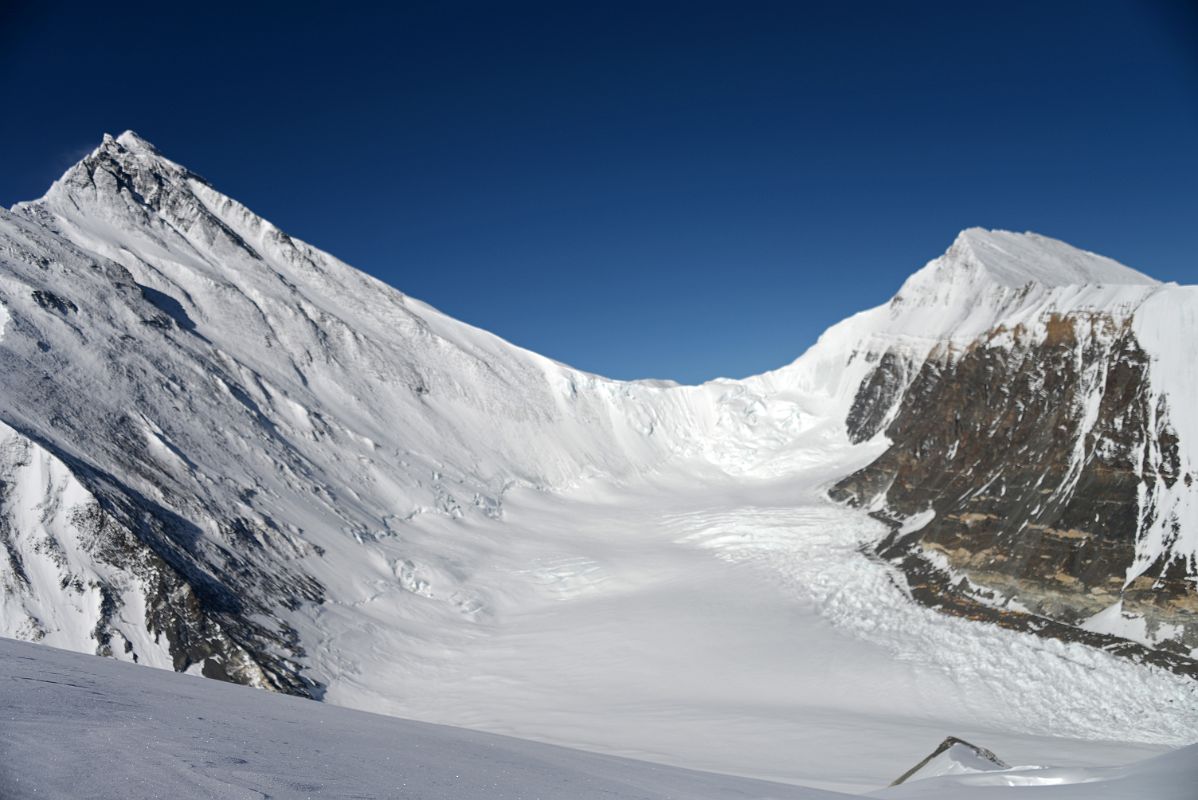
x=1166, y=777
x=137, y=734
x=70, y=720
x=260, y=463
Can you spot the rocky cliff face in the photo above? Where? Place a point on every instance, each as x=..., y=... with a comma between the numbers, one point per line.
x=1024, y=470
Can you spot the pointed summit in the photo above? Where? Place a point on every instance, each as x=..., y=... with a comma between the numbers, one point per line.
x=124, y=172
x=131, y=141
x=1017, y=259
x=111, y=146
x=992, y=277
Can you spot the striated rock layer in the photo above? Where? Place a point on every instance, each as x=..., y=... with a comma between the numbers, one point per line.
x=1035, y=477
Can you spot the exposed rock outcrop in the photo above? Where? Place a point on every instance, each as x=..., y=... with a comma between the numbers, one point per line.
x=1022, y=473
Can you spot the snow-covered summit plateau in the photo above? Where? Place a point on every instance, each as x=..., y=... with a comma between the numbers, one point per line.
x=223, y=451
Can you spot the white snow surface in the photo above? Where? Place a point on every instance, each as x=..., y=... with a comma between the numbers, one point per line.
x=1166, y=777
x=1165, y=325
x=511, y=545
x=1015, y=260
x=77, y=726
x=74, y=721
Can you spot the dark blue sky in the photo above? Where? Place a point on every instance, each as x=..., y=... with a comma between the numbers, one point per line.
x=653, y=189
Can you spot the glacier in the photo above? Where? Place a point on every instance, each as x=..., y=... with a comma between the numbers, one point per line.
x=227, y=453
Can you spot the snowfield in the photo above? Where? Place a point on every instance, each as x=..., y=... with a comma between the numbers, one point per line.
x=75, y=726
x=79, y=726
x=418, y=519
x=736, y=627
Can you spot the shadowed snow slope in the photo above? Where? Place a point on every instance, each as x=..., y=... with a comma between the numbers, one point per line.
x=225, y=452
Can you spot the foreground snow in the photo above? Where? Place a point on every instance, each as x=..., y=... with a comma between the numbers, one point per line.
x=77, y=725
x=1168, y=777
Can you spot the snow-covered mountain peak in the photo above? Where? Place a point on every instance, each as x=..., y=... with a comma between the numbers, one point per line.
x=125, y=173
x=130, y=140
x=1015, y=260
x=992, y=277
